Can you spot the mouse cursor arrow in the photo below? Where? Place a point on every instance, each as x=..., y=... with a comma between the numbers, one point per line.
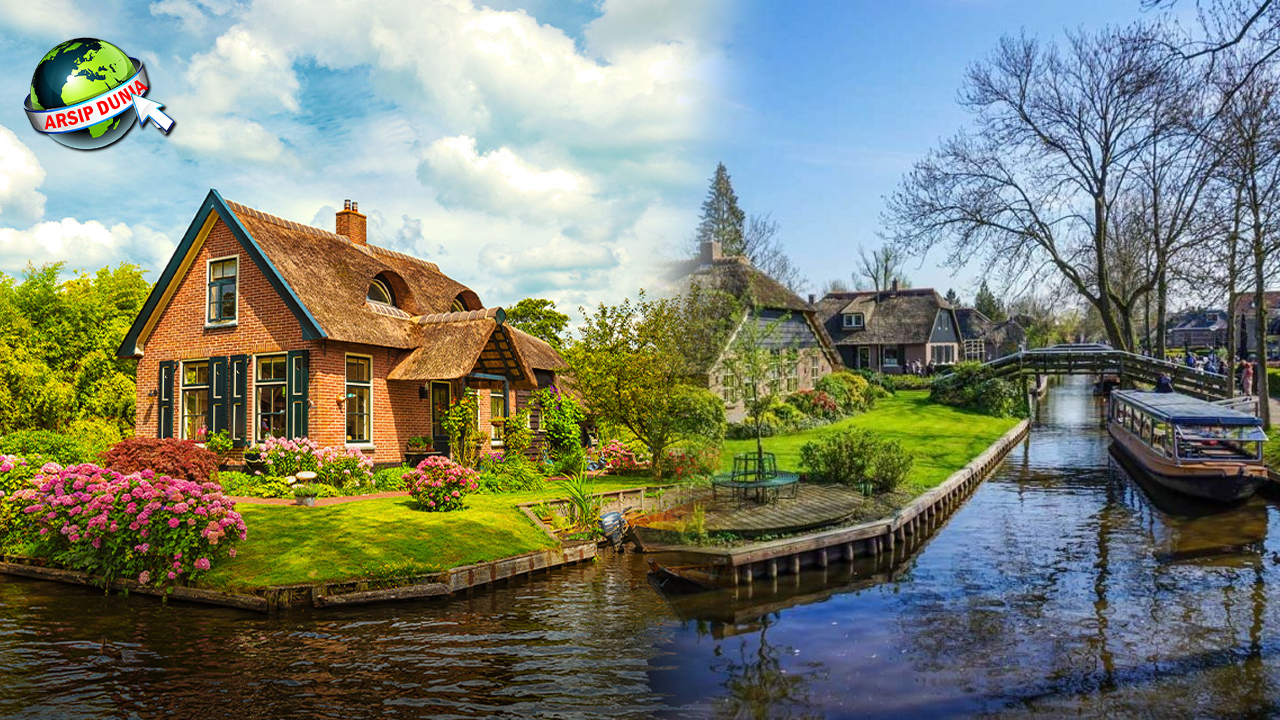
x=150, y=110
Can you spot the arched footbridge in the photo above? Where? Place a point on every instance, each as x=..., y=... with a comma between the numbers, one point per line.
x=1102, y=360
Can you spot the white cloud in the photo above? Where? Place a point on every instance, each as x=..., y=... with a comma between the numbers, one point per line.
x=55, y=18
x=500, y=181
x=20, y=176
x=83, y=246
x=228, y=138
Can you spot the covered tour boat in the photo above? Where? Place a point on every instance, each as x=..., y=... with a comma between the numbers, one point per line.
x=1189, y=445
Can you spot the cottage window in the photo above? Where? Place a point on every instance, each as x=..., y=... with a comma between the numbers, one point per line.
x=458, y=305
x=890, y=357
x=222, y=290
x=380, y=293
x=359, y=399
x=942, y=354
x=270, y=396
x=497, y=412
x=853, y=320
x=195, y=399
x=815, y=367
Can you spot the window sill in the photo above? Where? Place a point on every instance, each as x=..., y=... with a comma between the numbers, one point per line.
x=220, y=325
x=361, y=446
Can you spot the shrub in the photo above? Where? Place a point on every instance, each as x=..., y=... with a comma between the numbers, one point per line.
x=219, y=444
x=909, y=382
x=571, y=462
x=138, y=526
x=46, y=446
x=699, y=412
x=747, y=431
x=561, y=419
x=439, y=484
x=970, y=385
x=514, y=473
x=517, y=436
x=584, y=504
x=344, y=467
x=619, y=458
x=16, y=474
x=857, y=457
x=179, y=459
x=390, y=479
x=882, y=386
x=691, y=460
x=246, y=485
x=851, y=393
x=95, y=434
x=814, y=403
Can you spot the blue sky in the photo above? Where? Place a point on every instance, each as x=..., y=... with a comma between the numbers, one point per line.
x=558, y=149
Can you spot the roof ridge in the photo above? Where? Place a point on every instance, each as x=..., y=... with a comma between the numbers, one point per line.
x=403, y=256
x=277, y=220
x=482, y=314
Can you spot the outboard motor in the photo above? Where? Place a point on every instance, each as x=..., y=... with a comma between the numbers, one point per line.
x=613, y=526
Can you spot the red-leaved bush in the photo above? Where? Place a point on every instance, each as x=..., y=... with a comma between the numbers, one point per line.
x=181, y=459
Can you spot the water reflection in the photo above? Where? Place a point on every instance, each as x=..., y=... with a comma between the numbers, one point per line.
x=1063, y=587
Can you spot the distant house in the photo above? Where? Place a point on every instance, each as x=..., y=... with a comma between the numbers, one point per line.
x=265, y=327
x=889, y=330
x=763, y=300
x=1197, y=329
x=986, y=339
x=1246, y=328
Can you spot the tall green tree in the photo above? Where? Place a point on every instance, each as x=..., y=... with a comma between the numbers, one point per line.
x=539, y=318
x=988, y=304
x=722, y=220
x=636, y=365
x=953, y=297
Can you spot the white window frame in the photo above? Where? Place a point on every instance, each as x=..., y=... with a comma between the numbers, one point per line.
x=364, y=444
x=855, y=321
x=182, y=393
x=208, y=270
x=253, y=392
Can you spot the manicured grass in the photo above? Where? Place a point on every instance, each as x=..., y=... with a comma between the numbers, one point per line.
x=289, y=545
x=942, y=438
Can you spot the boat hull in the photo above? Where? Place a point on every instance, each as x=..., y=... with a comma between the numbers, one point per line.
x=1220, y=482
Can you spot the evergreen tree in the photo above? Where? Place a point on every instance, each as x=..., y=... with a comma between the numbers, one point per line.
x=722, y=220
x=953, y=298
x=988, y=304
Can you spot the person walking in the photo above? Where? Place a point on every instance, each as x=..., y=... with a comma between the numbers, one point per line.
x=1246, y=379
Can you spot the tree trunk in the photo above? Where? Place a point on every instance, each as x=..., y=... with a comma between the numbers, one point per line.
x=1233, y=286
x=1260, y=317
x=1162, y=307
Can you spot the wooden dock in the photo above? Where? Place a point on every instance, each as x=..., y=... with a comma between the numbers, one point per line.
x=891, y=536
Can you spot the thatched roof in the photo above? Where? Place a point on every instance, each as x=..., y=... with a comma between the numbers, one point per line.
x=739, y=278
x=905, y=317
x=331, y=276
x=456, y=349
x=536, y=351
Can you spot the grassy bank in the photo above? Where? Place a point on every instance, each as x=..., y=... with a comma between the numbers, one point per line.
x=943, y=439
x=291, y=545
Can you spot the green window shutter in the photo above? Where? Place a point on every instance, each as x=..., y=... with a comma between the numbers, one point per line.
x=164, y=416
x=298, y=381
x=218, y=399
x=237, y=392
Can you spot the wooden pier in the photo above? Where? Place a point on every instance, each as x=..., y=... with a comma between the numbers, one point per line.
x=891, y=536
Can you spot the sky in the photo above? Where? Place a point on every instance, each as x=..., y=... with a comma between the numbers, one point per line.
x=556, y=149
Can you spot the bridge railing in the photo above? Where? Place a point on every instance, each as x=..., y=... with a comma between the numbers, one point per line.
x=1103, y=360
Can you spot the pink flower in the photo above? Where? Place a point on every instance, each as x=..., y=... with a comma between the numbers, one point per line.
x=171, y=575
x=202, y=564
x=174, y=522
x=232, y=552
x=144, y=577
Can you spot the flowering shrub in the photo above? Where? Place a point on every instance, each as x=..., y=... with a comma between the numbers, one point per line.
x=338, y=465
x=561, y=418
x=692, y=460
x=15, y=474
x=620, y=458
x=815, y=403
x=171, y=457
x=139, y=526
x=438, y=484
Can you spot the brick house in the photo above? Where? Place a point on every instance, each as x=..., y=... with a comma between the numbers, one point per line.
x=763, y=300
x=890, y=330
x=266, y=327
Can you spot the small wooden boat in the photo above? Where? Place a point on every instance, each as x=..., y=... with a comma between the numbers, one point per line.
x=1189, y=445
x=687, y=578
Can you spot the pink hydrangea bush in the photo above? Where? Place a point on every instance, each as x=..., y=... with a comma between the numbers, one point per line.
x=157, y=530
x=439, y=484
x=338, y=465
x=620, y=458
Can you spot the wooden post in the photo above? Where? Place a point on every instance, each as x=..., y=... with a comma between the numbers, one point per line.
x=773, y=569
x=822, y=558
x=795, y=564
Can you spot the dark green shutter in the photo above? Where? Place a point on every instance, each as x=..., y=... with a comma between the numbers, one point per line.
x=218, y=395
x=164, y=416
x=298, y=384
x=237, y=390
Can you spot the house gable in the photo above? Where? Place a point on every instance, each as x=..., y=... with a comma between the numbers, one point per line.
x=212, y=210
x=944, y=328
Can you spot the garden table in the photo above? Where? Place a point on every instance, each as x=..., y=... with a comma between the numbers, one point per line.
x=764, y=491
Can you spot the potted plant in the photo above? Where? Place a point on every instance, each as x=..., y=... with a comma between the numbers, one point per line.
x=305, y=494
x=419, y=448
x=253, y=459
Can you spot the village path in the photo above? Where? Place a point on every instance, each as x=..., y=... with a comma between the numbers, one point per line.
x=320, y=502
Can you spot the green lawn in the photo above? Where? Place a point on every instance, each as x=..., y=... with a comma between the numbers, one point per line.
x=288, y=544
x=942, y=438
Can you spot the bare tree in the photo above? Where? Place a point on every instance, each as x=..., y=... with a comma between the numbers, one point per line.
x=1031, y=189
x=878, y=269
x=763, y=247
x=835, y=286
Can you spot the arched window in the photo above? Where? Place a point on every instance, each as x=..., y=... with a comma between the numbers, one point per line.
x=458, y=305
x=379, y=292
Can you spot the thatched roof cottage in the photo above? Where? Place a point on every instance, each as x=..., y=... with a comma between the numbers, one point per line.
x=888, y=331
x=265, y=327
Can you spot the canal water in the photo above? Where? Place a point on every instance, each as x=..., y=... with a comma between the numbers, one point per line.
x=1061, y=587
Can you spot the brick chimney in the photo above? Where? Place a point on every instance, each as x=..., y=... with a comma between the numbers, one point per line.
x=812, y=298
x=895, y=280
x=351, y=223
x=709, y=251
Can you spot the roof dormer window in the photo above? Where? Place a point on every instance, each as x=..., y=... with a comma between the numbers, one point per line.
x=854, y=321
x=380, y=293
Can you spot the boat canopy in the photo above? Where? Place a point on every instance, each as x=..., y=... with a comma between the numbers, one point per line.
x=1180, y=409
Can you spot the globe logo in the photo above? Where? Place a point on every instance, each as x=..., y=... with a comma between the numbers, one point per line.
x=85, y=94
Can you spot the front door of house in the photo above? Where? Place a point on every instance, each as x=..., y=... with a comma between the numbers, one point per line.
x=440, y=397
x=864, y=358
